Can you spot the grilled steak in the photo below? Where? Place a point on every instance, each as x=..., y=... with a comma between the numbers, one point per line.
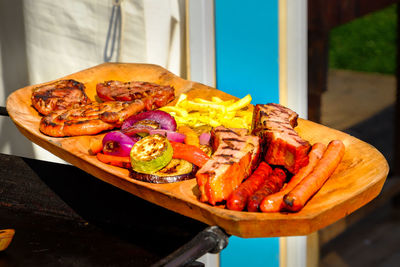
x=59, y=95
x=234, y=159
x=156, y=95
x=281, y=145
x=90, y=119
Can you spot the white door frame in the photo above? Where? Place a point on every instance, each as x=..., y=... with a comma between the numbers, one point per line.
x=293, y=94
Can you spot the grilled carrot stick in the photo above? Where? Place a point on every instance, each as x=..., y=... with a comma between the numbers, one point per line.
x=297, y=198
x=274, y=202
x=123, y=162
x=237, y=200
x=272, y=184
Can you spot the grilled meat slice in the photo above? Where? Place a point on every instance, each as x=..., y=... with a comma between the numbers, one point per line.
x=280, y=143
x=59, y=95
x=156, y=95
x=234, y=159
x=90, y=119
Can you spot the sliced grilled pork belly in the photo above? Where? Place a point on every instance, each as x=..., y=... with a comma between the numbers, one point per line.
x=280, y=143
x=235, y=157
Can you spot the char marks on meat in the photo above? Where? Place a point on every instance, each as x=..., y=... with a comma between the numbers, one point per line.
x=59, y=95
x=121, y=101
x=235, y=157
x=281, y=145
x=90, y=119
x=154, y=95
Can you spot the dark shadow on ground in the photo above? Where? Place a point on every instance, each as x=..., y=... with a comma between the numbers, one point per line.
x=115, y=210
x=44, y=196
x=378, y=131
x=374, y=240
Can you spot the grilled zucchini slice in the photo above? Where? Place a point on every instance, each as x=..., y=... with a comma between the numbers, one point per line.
x=151, y=154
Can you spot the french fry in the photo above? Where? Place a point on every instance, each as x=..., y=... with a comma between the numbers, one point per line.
x=228, y=102
x=241, y=103
x=229, y=115
x=205, y=119
x=203, y=106
x=214, y=112
x=244, y=113
x=181, y=98
x=236, y=122
x=216, y=99
x=175, y=109
x=201, y=100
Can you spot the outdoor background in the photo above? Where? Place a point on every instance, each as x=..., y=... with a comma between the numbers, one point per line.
x=361, y=82
x=360, y=100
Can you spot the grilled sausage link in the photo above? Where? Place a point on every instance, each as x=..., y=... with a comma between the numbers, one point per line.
x=271, y=185
x=238, y=199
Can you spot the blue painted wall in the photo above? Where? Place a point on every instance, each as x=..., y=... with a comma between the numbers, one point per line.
x=246, y=35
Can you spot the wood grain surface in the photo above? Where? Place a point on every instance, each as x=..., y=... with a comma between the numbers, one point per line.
x=357, y=180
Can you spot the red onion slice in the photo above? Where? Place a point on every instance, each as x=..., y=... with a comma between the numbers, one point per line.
x=204, y=138
x=132, y=131
x=165, y=120
x=117, y=144
x=171, y=135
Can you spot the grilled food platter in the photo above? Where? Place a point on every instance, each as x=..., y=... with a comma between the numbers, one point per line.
x=357, y=180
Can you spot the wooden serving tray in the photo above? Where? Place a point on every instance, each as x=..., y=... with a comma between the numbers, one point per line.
x=357, y=180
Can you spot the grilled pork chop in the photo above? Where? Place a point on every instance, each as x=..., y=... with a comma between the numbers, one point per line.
x=90, y=119
x=59, y=95
x=234, y=159
x=281, y=145
x=116, y=90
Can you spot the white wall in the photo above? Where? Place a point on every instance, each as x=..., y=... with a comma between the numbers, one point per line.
x=43, y=40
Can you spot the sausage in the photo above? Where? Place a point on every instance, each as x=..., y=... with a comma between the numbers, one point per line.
x=297, y=198
x=271, y=185
x=237, y=200
x=274, y=202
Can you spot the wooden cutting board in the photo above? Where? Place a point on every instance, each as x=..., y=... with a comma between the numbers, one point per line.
x=357, y=180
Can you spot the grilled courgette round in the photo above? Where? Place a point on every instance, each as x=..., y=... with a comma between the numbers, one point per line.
x=150, y=154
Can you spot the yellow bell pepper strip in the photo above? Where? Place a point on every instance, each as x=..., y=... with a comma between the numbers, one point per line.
x=191, y=136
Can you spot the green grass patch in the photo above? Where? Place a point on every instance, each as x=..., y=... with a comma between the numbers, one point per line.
x=366, y=44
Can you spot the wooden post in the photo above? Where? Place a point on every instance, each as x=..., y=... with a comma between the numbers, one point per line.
x=396, y=163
